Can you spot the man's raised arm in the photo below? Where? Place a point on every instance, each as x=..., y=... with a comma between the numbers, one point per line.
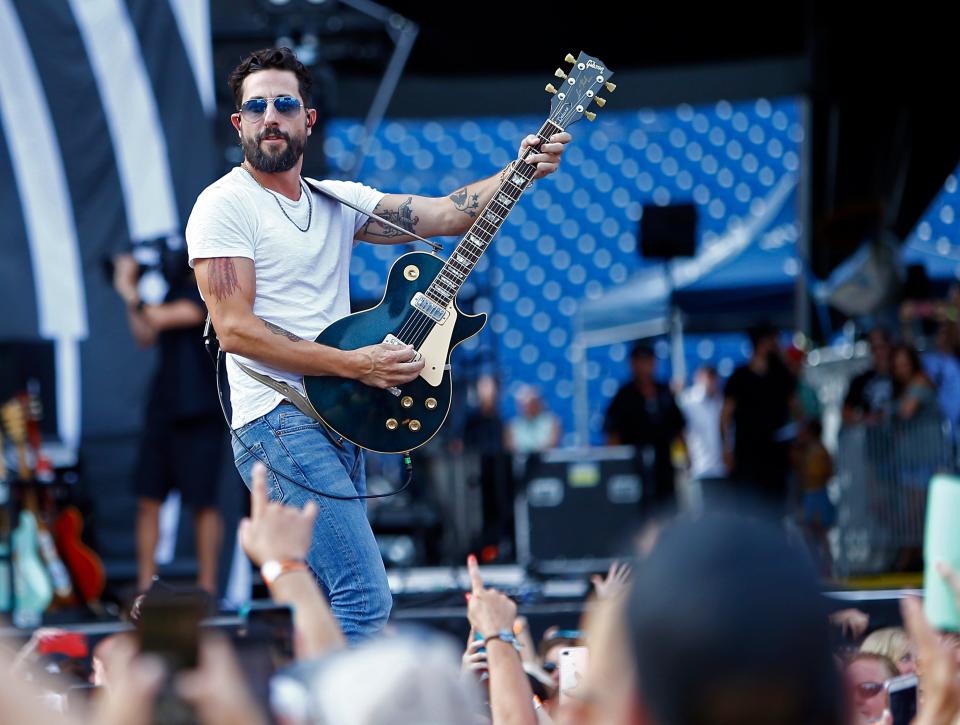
x=441, y=216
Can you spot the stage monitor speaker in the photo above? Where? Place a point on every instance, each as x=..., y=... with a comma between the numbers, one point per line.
x=668, y=231
x=578, y=509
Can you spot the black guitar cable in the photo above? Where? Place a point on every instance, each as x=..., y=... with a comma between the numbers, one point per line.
x=212, y=345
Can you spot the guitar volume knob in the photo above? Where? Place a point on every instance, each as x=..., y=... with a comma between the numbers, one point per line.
x=431, y=403
x=414, y=425
x=406, y=401
x=392, y=424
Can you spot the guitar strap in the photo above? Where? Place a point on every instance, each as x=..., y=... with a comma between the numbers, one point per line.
x=320, y=190
x=299, y=400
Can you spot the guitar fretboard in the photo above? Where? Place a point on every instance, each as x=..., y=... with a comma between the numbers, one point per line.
x=468, y=251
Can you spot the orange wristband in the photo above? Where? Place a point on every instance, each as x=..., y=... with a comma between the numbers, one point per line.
x=273, y=569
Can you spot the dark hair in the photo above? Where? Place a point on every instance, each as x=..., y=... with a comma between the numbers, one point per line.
x=270, y=59
x=899, y=386
x=763, y=331
x=641, y=349
x=882, y=333
x=727, y=625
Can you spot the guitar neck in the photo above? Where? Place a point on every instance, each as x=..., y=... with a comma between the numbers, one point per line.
x=468, y=251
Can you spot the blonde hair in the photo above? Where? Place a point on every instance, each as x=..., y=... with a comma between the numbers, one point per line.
x=891, y=642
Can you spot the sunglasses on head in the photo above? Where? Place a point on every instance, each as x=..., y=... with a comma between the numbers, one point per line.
x=869, y=689
x=254, y=109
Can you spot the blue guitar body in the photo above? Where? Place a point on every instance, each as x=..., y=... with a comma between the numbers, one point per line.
x=398, y=420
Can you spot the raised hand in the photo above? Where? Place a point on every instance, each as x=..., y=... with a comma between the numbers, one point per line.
x=616, y=581
x=275, y=532
x=488, y=610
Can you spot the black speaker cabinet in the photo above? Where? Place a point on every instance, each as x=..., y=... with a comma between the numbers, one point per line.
x=577, y=509
x=668, y=231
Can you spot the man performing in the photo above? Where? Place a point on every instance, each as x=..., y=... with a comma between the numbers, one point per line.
x=272, y=261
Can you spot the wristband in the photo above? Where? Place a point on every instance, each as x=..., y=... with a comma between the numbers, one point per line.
x=504, y=635
x=273, y=569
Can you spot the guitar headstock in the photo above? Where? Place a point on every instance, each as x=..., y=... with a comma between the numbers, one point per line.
x=575, y=90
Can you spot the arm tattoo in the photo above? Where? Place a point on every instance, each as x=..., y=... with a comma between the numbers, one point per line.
x=465, y=201
x=402, y=216
x=222, y=278
x=277, y=330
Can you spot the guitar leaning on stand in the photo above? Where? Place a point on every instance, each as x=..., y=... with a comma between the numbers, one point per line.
x=419, y=305
x=32, y=588
x=84, y=566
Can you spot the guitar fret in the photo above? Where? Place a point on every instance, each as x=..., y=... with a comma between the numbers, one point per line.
x=517, y=180
x=462, y=253
x=492, y=216
x=518, y=188
x=463, y=260
x=505, y=200
x=476, y=240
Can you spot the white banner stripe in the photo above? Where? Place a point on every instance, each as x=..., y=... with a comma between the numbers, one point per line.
x=132, y=116
x=42, y=186
x=193, y=20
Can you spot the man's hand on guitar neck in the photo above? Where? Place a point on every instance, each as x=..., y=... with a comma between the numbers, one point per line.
x=385, y=365
x=547, y=158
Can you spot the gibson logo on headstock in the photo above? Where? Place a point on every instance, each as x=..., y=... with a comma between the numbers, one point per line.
x=595, y=66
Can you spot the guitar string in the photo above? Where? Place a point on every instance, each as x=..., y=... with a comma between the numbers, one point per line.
x=422, y=330
x=463, y=252
x=421, y=324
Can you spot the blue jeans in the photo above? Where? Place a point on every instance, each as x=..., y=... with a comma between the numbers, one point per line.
x=344, y=554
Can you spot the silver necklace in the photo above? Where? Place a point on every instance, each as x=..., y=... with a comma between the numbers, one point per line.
x=303, y=190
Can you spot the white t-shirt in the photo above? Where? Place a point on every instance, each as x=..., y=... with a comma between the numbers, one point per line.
x=704, y=443
x=303, y=281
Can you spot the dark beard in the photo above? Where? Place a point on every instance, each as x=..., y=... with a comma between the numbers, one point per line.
x=273, y=163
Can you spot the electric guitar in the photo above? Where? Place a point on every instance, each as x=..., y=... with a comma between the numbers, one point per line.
x=33, y=590
x=419, y=305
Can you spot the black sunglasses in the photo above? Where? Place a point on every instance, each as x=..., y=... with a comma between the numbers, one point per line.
x=254, y=109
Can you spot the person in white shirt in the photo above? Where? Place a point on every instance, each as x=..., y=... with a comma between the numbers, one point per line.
x=272, y=262
x=701, y=405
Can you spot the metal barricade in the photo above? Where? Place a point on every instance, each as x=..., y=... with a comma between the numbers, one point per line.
x=883, y=471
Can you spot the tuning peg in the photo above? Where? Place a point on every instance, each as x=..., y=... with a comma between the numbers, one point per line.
x=570, y=58
x=560, y=74
x=610, y=86
x=600, y=101
x=590, y=115
x=550, y=88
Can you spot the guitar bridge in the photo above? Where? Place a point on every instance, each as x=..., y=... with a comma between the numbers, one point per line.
x=431, y=309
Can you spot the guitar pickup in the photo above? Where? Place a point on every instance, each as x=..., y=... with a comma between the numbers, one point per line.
x=394, y=340
x=431, y=309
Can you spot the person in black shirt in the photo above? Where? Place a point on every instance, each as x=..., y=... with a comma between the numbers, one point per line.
x=182, y=442
x=484, y=436
x=755, y=422
x=644, y=414
x=870, y=395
